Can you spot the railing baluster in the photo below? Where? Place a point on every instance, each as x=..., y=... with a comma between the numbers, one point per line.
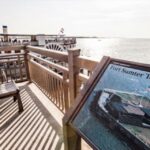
x=65, y=88
x=51, y=88
x=15, y=71
x=58, y=93
x=20, y=68
x=10, y=73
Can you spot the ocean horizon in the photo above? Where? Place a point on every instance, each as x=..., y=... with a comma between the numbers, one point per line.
x=132, y=49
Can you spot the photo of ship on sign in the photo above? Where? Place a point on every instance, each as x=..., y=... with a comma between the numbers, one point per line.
x=122, y=107
x=128, y=113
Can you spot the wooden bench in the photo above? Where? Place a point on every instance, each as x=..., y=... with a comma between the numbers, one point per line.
x=8, y=89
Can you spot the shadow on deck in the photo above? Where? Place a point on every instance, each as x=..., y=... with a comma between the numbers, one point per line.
x=36, y=127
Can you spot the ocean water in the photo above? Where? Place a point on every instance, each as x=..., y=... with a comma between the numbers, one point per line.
x=137, y=50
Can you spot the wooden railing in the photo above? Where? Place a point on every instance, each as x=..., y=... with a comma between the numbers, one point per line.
x=12, y=61
x=51, y=78
x=61, y=81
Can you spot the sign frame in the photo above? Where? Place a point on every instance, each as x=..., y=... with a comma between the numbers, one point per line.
x=72, y=136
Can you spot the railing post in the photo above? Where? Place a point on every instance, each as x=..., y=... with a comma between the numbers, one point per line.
x=73, y=71
x=65, y=87
x=26, y=63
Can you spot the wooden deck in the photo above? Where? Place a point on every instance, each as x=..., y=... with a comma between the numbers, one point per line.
x=39, y=126
x=35, y=127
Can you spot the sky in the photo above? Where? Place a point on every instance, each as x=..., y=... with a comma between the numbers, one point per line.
x=103, y=18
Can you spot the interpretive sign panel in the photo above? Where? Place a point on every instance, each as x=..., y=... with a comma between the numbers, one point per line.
x=116, y=113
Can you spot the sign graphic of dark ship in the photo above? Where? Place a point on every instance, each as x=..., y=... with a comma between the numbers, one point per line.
x=117, y=108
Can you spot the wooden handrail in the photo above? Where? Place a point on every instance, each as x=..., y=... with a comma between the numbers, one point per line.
x=80, y=61
x=59, y=67
x=11, y=55
x=8, y=60
x=10, y=48
x=86, y=62
x=83, y=77
x=56, y=75
x=62, y=56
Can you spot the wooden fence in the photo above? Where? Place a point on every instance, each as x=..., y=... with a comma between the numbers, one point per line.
x=12, y=61
x=58, y=74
